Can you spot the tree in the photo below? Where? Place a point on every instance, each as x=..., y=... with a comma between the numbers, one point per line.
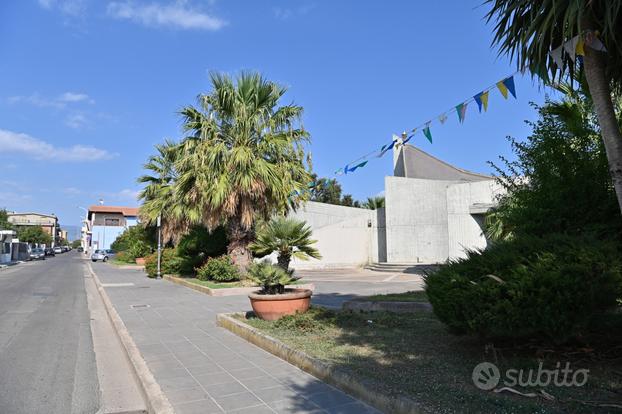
x=243, y=158
x=288, y=237
x=33, y=235
x=4, y=220
x=76, y=243
x=326, y=190
x=374, y=203
x=159, y=199
x=559, y=182
x=528, y=30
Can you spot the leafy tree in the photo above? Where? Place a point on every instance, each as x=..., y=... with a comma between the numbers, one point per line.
x=4, y=220
x=326, y=190
x=135, y=241
x=33, y=235
x=288, y=237
x=560, y=181
x=243, y=158
x=374, y=203
x=528, y=30
x=76, y=243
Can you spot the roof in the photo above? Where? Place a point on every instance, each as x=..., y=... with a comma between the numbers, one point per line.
x=415, y=163
x=31, y=213
x=126, y=211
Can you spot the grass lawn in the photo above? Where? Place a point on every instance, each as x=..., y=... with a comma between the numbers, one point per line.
x=121, y=262
x=411, y=296
x=214, y=285
x=414, y=355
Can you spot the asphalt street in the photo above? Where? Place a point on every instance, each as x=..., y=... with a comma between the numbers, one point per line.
x=47, y=362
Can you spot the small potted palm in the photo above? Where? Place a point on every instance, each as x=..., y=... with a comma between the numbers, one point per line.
x=274, y=300
x=289, y=238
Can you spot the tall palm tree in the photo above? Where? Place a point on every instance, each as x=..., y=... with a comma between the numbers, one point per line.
x=374, y=203
x=288, y=237
x=158, y=194
x=529, y=30
x=243, y=158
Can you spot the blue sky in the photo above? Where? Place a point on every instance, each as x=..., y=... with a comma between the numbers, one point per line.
x=88, y=87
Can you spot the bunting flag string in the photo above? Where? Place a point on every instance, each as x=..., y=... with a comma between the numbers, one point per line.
x=505, y=86
x=575, y=48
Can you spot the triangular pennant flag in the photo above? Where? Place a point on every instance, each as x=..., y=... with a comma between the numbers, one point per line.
x=408, y=139
x=592, y=40
x=509, y=84
x=360, y=165
x=484, y=99
x=427, y=133
x=556, y=55
x=339, y=171
x=571, y=47
x=345, y=169
x=579, y=50
x=461, y=111
x=503, y=89
x=442, y=118
x=478, y=101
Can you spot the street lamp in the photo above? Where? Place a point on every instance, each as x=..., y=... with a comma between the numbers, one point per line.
x=85, y=223
x=159, y=222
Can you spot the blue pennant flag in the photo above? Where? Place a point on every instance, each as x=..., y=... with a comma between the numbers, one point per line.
x=509, y=83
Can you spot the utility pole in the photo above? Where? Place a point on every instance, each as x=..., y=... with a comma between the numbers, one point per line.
x=159, y=222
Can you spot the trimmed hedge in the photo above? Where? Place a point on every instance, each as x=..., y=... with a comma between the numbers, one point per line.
x=547, y=288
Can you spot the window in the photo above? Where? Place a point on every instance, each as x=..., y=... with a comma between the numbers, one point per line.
x=112, y=222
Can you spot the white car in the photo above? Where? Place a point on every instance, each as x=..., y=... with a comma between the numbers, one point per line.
x=99, y=255
x=58, y=250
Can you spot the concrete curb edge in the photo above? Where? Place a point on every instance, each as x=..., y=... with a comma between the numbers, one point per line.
x=157, y=403
x=225, y=291
x=327, y=373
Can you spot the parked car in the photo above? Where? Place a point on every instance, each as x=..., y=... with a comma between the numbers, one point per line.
x=100, y=255
x=49, y=251
x=80, y=249
x=65, y=249
x=58, y=250
x=110, y=252
x=37, y=254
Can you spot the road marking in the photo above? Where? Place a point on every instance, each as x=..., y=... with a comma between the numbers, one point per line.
x=117, y=284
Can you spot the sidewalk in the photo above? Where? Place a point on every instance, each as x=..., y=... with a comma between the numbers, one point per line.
x=206, y=369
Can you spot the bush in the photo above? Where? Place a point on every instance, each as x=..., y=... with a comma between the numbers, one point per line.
x=170, y=264
x=547, y=288
x=135, y=241
x=123, y=257
x=220, y=269
x=200, y=242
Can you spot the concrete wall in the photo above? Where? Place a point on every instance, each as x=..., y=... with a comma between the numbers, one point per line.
x=343, y=234
x=416, y=220
x=465, y=230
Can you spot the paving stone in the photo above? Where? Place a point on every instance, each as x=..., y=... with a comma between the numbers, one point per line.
x=330, y=399
x=247, y=373
x=187, y=395
x=237, y=401
x=214, y=378
x=295, y=406
x=197, y=407
x=224, y=389
x=178, y=383
x=259, y=383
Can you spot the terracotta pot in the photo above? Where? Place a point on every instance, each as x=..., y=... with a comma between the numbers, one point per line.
x=140, y=261
x=273, y=307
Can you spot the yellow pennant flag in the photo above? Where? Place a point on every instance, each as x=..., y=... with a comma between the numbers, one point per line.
x=503, y=89
x=484, y=99
x=580, y=51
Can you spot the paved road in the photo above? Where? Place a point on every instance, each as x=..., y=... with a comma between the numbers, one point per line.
x=47, y=363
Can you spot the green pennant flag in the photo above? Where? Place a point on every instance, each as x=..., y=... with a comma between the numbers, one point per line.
x=427, y=133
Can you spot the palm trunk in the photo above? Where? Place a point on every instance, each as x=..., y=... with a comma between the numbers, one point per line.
x=283, y=261
x=237, y=249
x=600, y=91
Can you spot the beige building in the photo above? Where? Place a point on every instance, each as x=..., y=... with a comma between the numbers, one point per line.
x=48, y=222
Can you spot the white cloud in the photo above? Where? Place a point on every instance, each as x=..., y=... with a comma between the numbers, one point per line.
x=176, y=15
x=285, y=13
x=127, y=194
x=59, y=102
x=19, y=143
x=72, y=8
x=76, y=121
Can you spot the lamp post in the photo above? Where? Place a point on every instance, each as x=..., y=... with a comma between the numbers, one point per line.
x=159, y=222
x=84, y=223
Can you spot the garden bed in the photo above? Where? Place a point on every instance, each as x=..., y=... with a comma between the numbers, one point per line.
x=405, y=302
x=222, y=288
x=415, y=358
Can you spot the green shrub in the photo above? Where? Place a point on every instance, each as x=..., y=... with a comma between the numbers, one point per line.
x=200, y=242
x=135, y=241
x=547, y=288
x=220, y=269
x=123, y=257
x=170, y=264
x=271, y=278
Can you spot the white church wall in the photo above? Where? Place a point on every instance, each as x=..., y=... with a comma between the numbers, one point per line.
x=416, y=220
x=344, y=236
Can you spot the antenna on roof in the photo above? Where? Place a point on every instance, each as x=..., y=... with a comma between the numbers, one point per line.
x=101, y=201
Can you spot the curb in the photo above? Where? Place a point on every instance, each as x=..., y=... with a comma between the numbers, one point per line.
x=319, y=369
x=397, y=307
x=157, y=403
x=224, y=291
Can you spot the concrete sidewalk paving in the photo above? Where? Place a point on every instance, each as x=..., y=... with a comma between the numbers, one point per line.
x=202, y=368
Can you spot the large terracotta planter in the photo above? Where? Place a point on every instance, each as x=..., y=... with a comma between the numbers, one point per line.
x=140, y=261
x=273, y=307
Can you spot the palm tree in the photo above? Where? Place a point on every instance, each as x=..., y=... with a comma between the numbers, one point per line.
x=529, y=30
x=288, y=237
x=243, y=158
x=374, y=203
x=158, y=194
